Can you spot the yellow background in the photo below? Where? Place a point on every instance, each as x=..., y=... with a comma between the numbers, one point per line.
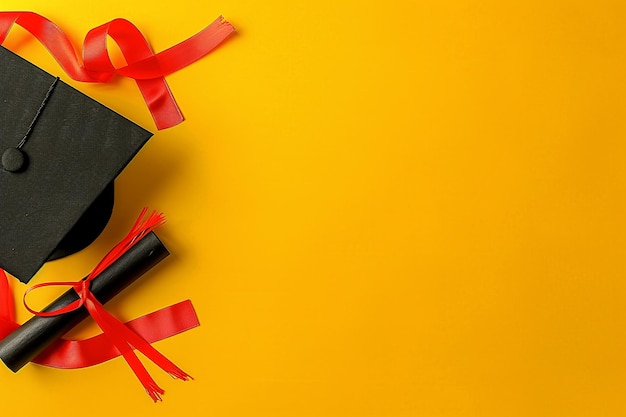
x=378, y=208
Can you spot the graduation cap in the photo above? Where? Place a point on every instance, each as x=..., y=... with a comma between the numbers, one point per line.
x=61, y=151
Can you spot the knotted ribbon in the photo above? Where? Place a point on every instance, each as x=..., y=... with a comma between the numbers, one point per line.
x=143, y=65
x=117, y=338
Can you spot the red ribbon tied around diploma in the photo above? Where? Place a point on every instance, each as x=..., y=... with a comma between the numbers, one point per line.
x=122, y=339
x=143, y=65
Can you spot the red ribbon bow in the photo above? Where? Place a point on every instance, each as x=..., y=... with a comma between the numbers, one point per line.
x=143, y=65
x=123, y=338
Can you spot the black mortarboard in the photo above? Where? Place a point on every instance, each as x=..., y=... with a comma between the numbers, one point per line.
x=56, y=190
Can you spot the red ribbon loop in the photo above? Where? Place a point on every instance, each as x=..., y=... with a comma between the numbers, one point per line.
x=143, y=65
x=121, y=336
x=67, y=309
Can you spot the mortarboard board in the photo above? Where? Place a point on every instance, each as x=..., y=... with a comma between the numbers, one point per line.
x=61, y=151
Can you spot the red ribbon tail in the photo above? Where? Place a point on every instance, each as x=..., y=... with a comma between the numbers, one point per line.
x=7, y=305
x=125, y=340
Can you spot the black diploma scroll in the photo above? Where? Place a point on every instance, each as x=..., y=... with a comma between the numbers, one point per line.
x=38, y=333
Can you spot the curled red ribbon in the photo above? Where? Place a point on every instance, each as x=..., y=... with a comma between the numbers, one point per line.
x=117, y=338
x=143, y=65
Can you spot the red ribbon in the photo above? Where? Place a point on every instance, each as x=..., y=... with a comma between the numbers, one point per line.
x=143, y=65
x=117, y=338
x=75, y=354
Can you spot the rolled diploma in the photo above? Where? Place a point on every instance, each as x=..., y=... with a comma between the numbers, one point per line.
x=33, y=337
